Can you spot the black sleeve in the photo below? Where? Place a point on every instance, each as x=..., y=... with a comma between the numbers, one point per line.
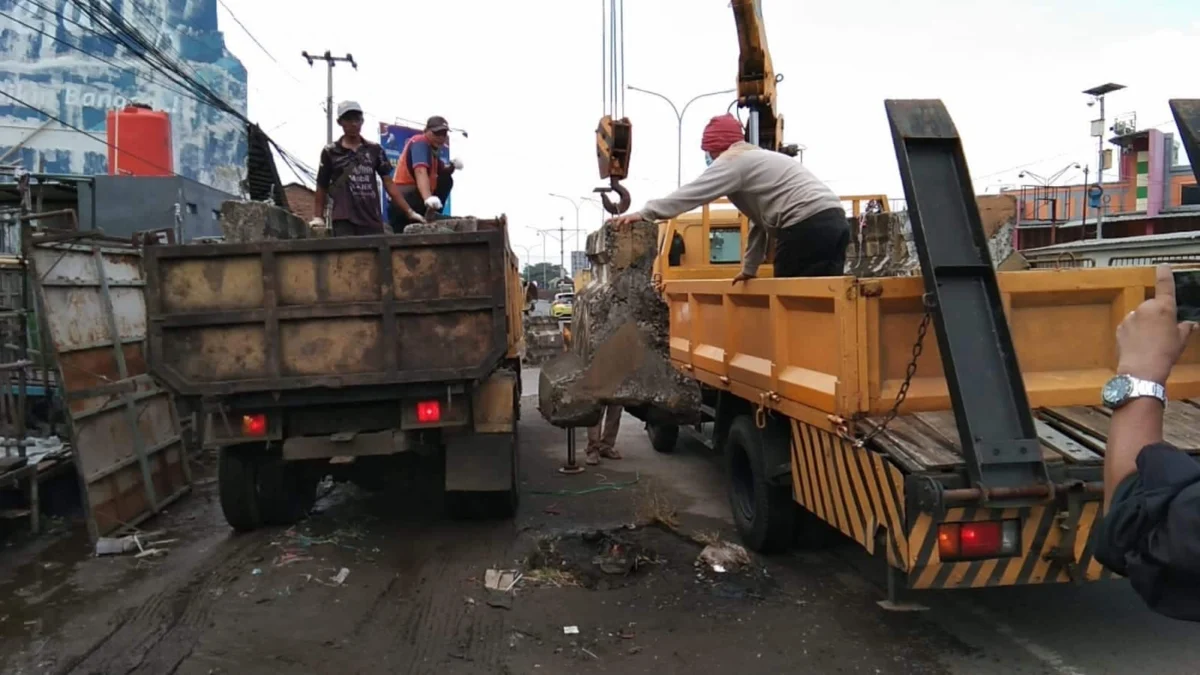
x=1151, y=533
x=325, y=170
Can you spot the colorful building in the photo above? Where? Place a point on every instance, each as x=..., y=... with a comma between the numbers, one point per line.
x=1155, y=192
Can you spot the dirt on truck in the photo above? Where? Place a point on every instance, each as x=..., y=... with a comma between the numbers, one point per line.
x=351, y=357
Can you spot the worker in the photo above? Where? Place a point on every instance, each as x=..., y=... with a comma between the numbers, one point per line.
x=424, y=180
x=347, y=174
x=779, y=196
x=1151, y=528
x=602, y=437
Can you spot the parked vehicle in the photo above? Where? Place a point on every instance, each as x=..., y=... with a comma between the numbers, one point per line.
x=344, y=357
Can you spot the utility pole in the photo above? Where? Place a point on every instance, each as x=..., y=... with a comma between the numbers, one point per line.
x=330, y=60
x=1098, y=130
x=561, y=233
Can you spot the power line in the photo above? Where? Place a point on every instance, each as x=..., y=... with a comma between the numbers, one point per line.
x=1059, y=155
x=102, y=59
x=255, y=40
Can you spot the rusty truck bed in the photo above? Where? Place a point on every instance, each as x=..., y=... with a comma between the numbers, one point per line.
x=1075, y=435
x=329, y=313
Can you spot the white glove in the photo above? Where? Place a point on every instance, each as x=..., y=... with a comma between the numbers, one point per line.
x=456, y=163
x=317, y=221
x=433, y=203
x=416, y=217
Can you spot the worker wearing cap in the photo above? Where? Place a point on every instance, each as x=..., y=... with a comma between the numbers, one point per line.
x=424, y=180
x=347, y=174
x=779, y=196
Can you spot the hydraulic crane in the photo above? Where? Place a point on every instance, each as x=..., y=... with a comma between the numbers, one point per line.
x=757, y=79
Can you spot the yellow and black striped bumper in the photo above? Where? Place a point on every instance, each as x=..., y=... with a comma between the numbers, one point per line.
x=861, y=493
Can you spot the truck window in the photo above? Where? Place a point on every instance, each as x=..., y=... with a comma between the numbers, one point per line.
x=724, y=246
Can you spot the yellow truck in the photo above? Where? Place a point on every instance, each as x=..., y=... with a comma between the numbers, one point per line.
x=851, y=397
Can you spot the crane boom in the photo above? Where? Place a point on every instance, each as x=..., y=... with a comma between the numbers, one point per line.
x=757, y=79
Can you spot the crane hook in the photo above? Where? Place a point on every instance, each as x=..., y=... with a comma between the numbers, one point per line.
x=621, y=206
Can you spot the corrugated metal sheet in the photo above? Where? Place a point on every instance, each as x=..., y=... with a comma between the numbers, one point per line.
x=123, y=426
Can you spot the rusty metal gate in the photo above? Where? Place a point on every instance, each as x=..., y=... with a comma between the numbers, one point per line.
x=124, y=427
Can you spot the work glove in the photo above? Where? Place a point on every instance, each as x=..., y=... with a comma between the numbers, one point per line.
x=433, y=203
x=416, y=217
x=457, y=164
x=317, y=228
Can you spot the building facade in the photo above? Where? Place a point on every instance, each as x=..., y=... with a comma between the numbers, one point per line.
x=58, y=62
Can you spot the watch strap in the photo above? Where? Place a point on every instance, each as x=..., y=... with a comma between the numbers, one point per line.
x=1142, y=388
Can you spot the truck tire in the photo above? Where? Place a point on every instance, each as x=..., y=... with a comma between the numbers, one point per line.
x=237, y=485
x=663, y=437
x=257, y=489
x=764, y=514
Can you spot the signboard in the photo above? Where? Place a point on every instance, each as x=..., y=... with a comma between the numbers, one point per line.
x=393, y=137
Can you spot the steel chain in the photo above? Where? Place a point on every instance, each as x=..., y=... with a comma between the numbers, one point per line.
x=902, y=394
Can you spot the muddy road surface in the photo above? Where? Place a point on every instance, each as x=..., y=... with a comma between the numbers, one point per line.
x=384, y=583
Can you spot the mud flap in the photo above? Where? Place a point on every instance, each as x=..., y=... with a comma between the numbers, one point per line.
x=479, y=462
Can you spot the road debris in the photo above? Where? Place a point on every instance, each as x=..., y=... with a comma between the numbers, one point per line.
x=724, y=557
x=570, y=630
x=340, y=577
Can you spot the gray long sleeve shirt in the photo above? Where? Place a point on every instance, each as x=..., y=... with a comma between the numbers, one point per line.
x=773, y=190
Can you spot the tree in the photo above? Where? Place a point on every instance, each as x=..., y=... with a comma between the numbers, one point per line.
x=544, y=273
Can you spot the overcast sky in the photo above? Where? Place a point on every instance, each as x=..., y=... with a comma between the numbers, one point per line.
x=523, y=77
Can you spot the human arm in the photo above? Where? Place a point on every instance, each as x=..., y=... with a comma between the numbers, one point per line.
x=1149, y=342
x=718, y=180
x=324, y=178
x=756, y=252
x=421, y=157
x=1152, y=489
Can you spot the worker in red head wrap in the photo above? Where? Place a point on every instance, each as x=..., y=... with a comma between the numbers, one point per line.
x=781, y=198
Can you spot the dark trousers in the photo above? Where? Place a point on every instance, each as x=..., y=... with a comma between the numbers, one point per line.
x=813, y=247
x=346, y=228
x=398, y=219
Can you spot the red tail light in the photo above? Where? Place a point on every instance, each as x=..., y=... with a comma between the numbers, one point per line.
x=980, y=539
x=429, y=411
x=254, y=425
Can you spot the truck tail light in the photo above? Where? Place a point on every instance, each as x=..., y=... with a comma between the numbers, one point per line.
x=979, y=539
x=429, y=412
x=254, y=425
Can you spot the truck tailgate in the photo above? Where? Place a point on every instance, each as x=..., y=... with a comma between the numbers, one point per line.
x=318, y=313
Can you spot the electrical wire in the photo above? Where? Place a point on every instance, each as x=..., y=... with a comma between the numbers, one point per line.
x=255, y=40
x=102, y=59
x=72, y=127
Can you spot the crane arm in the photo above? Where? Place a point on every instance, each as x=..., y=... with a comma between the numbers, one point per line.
x=757, y=78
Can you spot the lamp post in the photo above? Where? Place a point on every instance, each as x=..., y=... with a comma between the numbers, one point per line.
x=1098, y=94
x=679, y=113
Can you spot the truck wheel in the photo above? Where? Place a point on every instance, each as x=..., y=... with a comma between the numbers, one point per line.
x=663, y=437
x=237, y=485
x=284, y=494
x=764, y=514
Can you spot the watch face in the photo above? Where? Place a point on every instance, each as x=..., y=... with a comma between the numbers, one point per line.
x=1116, y=391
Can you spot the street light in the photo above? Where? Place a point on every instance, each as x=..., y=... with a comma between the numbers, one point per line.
x=1097, y=94
x=1047, y=182
x=679, y=120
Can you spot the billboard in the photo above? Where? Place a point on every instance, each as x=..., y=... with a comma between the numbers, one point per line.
x=51, y=63
x=393, y=137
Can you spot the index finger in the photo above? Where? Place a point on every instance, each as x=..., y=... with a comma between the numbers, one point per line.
x=1164, y=283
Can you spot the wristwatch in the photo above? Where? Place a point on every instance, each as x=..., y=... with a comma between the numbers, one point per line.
x=1122, y=389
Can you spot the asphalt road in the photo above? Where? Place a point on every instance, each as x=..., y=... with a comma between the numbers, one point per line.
x=414, y=602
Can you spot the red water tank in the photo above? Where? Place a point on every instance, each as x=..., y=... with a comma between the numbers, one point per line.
x=139, y=142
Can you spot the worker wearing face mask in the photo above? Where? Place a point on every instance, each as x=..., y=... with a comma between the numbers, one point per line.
x=779, y=196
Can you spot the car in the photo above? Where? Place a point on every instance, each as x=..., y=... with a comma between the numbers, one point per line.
x=563, y=305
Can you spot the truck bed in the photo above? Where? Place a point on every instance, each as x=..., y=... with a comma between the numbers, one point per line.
x=1075, y=435
x=286, y=315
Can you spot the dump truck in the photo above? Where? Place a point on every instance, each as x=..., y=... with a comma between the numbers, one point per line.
x=350, y=357
x=950, y=423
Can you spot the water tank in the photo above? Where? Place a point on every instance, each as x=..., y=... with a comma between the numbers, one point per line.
x=139, y=142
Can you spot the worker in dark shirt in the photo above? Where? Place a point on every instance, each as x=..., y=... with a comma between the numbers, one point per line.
x=347, y=175
x=424, y=180
x=1151, y=529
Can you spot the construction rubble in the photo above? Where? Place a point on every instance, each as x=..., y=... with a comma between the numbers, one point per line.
x=619, y=348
